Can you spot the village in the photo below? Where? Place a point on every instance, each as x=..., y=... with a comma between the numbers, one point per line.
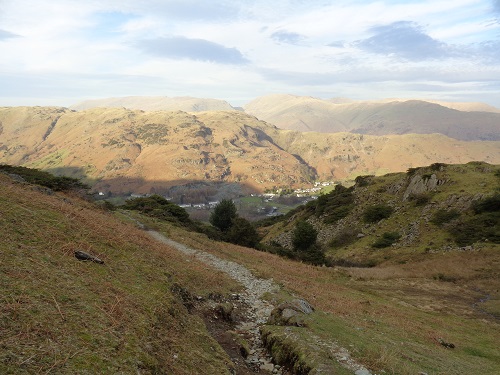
x=254, y=206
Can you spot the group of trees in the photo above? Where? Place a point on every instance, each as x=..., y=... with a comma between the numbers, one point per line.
x=233, y=228
x=240, y=231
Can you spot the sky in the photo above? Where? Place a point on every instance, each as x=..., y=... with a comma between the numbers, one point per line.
x=60, y=52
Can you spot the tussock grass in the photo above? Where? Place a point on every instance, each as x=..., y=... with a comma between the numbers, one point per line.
x=61, y=315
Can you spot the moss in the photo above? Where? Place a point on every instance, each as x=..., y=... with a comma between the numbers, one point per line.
x=285, y=351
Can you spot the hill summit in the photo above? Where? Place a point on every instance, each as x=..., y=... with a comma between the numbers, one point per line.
x=157, y=103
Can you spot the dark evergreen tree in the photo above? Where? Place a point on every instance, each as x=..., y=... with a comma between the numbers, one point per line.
x=242, y=233
x=223, y=215
x=304, y=236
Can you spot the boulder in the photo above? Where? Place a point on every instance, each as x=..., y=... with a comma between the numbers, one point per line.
x=291, y=313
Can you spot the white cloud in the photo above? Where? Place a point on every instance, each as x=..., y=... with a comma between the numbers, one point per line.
x=234, y=49
x=287, y=37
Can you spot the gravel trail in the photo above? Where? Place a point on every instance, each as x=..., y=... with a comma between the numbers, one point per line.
x=259, y=311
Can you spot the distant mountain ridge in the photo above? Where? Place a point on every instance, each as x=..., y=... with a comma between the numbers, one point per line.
x=157, y=103
x=127, y=151
x=378, y=117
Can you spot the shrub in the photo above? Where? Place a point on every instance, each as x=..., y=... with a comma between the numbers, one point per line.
x=158, y=207
x=441, y=217
x=420, y=199
x=482, y=227
x=304, y=235
x=437, y=166
x=412, y=171
x=106, y=205
x=313, y=255
x=334, y=205
x=337, y=214
x=374, y=214
x=210, y=231
x=489, y=204
x=35, y=176
x=362, y=181
x=387, y=239
x=344, y=238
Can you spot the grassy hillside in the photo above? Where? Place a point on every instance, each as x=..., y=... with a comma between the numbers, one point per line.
x=61, y=315
x=428, y=209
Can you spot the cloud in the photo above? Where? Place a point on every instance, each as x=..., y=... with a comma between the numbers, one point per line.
x=6, y=35
x=364, y=74
x=406, y=40
x=198, y=10
x=496, y=5
x=287, y=37
x=179, y=47
x=489, y=51
x=337, y=44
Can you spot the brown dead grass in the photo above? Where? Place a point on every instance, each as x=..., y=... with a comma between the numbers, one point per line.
x=64, y=316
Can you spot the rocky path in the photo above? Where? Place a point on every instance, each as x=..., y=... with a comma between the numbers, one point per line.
x=258, y=311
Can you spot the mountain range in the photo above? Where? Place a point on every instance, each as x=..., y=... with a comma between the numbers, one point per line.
x=474, y=121
x=124, y=151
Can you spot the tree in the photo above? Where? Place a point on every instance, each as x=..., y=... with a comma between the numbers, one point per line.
x=242, y=233
x=223, y=215
x=304, y=235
